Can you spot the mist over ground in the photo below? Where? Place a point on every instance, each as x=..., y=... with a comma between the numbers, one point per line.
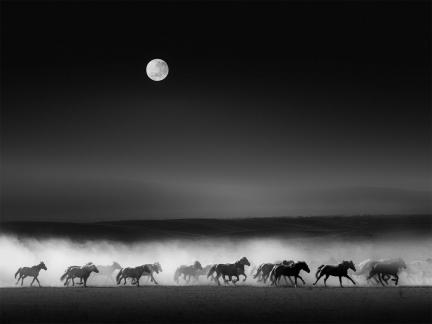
x=58, y=254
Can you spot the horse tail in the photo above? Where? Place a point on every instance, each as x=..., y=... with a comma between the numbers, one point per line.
x=63, y=277
x=16, y=274
x=319, y=271
x=273, y=273
x=258, y=271
x=211, y=271
x=118, y=276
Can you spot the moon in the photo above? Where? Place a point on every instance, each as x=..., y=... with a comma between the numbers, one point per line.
x=157, y=69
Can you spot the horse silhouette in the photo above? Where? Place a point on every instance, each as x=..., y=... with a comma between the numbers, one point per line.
x=229, y=269
x=264, y=271
x=188, y=272
x=390, y=268
x=292, y=270
x=341, y=270
x=82, y=273
x=134, y=273
x=33, y=271
x=152, y=268
x=364, y=268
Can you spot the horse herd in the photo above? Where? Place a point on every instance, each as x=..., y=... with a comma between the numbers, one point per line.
x=379, y=270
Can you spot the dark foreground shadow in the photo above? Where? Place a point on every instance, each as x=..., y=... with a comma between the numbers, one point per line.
x=207, y=304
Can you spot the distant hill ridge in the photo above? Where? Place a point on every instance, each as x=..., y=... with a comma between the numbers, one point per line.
x=361, y=227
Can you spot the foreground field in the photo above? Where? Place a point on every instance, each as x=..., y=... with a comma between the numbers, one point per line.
x=208, y=304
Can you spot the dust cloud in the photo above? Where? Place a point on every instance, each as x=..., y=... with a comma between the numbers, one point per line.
x=58, y=254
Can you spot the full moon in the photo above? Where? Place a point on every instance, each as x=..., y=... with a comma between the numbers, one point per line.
x=157, y=69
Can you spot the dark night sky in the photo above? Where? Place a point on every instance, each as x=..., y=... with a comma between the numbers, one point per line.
x=275, y=109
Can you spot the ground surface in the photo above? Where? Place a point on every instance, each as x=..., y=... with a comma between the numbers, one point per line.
x=209, y=304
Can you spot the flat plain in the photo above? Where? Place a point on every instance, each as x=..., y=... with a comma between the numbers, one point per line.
x=211, y=304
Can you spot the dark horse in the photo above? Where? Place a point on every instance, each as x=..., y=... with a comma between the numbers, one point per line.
x=265, y=270
x=30, y=272
x=230, y=270
x=292, y=270
x=387, y=268
x=82, y=273
x=134, y=273
x=341, y=270
x=188, y=272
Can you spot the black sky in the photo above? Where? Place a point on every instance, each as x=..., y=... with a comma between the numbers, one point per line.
x=270, y=109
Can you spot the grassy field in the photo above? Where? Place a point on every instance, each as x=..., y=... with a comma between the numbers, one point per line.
x=210, y=304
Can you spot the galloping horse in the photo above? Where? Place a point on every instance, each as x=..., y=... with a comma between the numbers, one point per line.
x=390, y=268
x=30, y=272
x=82, y=273
x=187, y=272
x=341, y=270
x=152, y=268
x=107, y=271
x=134, y=273
x=229, y=269
x=291, y=270
x=264, y=270
x=364, y=268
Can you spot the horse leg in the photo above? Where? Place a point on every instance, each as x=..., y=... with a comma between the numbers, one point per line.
x=304, y=283
x=73, y=281
x=295, y=280
x=19, y=278
x=245, y=277
x=340, y=281
x=153, y=279
x=376, y=280
x=325, y=279
x=38, y=281
x=347, y=276
x=22, y=280
x=31, y=284
x=289, y=277
x=380, y=279
x=217, y=279
x=319, y=277
x=396, y=279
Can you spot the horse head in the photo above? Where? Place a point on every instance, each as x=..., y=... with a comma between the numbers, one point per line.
x=157, y=267
x=303, y=266
x=197, y=265
x=42, y=265
x=92, y=267
x=116, y=265
x=349, y=265
x=244, y=261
